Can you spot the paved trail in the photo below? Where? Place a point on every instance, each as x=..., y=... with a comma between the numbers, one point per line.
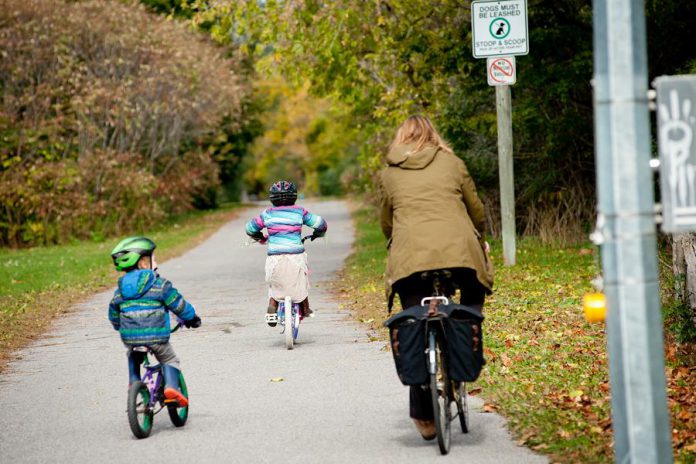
x=64, y=401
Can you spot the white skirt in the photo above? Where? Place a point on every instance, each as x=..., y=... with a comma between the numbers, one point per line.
x=286, y=275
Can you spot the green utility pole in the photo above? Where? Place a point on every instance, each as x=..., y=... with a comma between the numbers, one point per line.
x=627, y=229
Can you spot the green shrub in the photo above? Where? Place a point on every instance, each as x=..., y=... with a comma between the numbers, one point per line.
x=105, y=114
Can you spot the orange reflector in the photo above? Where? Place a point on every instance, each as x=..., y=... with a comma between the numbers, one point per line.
x=595, y=307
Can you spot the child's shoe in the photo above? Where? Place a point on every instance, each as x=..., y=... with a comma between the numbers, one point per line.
x=172, y=389
x=271, y=316
x=306, y=311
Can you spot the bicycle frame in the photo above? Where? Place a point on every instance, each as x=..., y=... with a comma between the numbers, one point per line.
x=153, y=376
x=432, y=336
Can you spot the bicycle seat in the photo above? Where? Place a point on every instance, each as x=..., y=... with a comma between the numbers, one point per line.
x=141, y=349
x=439, y=273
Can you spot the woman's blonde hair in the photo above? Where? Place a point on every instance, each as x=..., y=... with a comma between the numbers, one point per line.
x=420, y=131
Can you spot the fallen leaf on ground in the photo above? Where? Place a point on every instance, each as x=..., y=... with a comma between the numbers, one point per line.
x=474, y=391
x=505, y=360
x=277, y=379
x=525, y=438
x=488, y=407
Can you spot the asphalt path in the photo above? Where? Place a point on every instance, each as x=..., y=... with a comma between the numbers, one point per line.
x=339, y=400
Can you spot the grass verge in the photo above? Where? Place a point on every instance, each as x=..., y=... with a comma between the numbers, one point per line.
x=38, y=284
x=547, y=370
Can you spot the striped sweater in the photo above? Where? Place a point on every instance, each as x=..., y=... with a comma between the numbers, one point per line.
x=140, y=308
x=284, y=224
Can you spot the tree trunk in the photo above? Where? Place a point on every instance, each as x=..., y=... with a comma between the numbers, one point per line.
x=684, y=269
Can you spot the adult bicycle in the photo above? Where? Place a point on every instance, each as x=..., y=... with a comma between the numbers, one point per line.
x=438, y=346
x=449, y=399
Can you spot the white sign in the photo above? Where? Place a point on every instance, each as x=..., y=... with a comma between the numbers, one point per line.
x=676, y=123
x=499, y=28
x=501, y=71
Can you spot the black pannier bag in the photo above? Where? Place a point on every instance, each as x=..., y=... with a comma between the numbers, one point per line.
x=464, y=342
x=407, y=339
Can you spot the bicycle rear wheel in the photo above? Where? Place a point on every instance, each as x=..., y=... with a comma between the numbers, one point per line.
x=289, y=322
x=461, y=399
x=439, y=391
x=139, y=412
x=179, y=415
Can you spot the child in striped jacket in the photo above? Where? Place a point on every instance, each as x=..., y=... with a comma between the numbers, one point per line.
x=286, y=263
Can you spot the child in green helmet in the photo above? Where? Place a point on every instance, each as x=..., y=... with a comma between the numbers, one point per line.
x=140, y=309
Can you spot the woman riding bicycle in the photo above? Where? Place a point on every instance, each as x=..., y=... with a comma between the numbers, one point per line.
x=433, y=220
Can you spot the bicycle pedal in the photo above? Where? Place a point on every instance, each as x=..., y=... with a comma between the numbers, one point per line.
x=272, y=318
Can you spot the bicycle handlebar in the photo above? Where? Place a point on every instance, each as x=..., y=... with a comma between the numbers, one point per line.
x=177, y=326
x=309, y=237
x=444, y=299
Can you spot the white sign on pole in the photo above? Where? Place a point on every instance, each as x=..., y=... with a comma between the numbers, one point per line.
x=501, y=70
x=676, y=124
x=499, y=28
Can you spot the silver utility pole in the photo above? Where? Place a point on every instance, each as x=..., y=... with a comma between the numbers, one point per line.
x=607, y=222
x=505, y=168
x=642, y=432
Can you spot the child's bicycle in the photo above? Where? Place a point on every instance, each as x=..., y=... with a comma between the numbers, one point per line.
x=290, y=323
x=146, y=397
x=290, y=326
x=446, y=394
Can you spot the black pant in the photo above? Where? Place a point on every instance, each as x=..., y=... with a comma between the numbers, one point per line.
x=411, y=291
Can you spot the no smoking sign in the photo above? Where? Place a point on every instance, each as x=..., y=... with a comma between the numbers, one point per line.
x=501, y=70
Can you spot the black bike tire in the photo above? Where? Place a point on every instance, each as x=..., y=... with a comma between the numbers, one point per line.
x=442, y=414
x=135, y=391
x=463, y=408
x=179, y=415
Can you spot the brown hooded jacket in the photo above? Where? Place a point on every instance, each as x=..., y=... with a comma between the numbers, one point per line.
x=431, y=215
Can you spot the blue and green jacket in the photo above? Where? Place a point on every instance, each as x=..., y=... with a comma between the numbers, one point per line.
x=140, y=308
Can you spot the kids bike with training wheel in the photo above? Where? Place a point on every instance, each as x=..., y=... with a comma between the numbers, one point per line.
x=146, y=397
x=289, y=315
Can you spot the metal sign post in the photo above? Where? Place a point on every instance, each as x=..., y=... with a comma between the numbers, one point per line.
x=634, y=326
x=505, y=169
x=499, y=31
x=606, y=209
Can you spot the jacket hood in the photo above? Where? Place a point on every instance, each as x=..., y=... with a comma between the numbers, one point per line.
x=407, y=157
x=136, y=283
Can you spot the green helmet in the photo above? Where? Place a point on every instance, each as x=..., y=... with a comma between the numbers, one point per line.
x=129, y=250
